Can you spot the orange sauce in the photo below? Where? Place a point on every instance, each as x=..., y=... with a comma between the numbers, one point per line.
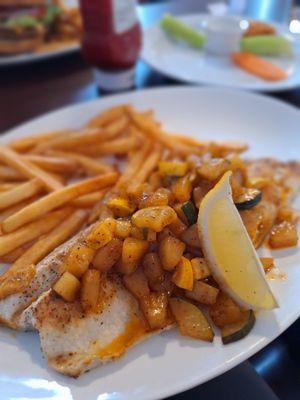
x=134, y=329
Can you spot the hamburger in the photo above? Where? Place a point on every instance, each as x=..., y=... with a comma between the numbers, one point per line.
x=24, y=24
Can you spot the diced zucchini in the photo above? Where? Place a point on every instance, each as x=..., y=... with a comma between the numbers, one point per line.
x=190, y=212
x=234, y=332
x=190, y=320
x=249, y=199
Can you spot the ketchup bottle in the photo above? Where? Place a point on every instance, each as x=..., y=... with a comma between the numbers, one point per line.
x=111, y=41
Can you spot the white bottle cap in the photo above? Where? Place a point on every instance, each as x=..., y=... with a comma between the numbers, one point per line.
x=114, y=81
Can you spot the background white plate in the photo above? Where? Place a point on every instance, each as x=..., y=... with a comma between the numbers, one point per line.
x=168, y=363
x=195, y=66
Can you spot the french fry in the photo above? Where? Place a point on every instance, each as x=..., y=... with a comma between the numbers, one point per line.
x=88, y=164
x=24, y=144
x=87, y=136
x=15, y=208
x=207, y=145
x=20, y=193
x=117, y=146
x=71, y=140
x=134, y=164
x=106, y=117
x=11, y=257
x=53, y=239
x=53, y=164
x=56, y=199
x=14, y=160
x=8, y=186
x=88, y=200
x=148, y=166
x=99, y=211
x=9, y=174
x=31, y=231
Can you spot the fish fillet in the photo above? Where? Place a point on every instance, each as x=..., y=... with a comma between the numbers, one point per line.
x=74, y=342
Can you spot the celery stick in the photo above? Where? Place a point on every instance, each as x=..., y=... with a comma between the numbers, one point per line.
x=180, y=31
x=269, y=45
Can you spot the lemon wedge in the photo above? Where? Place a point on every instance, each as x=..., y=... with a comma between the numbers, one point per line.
x=229, y=251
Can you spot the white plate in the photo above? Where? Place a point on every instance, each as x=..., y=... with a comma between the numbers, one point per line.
x=194, y=66
x=168, y=363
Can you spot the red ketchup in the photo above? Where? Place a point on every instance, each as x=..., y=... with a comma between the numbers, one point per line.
x=111, y=41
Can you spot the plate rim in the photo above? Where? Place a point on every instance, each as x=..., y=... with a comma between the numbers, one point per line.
x=28, y=58
x=104, y=101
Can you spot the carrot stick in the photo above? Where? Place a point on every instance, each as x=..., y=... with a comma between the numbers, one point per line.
x=258, y=66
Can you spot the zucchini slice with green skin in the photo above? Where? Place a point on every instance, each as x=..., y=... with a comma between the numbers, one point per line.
x=249, y=199
x=234, y=332
x=190, y=212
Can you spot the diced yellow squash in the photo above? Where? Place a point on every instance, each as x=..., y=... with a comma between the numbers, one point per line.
x=183, y=276
x=153, y=269
x=182, y=189
x=213, y=169
x=121, y=207
x=155, y=218
x=108, y=255
x=200, y=268
x=286, y=213
x=159, y=198
x=177, y=227
x=190, y=320
x=170, y=252
x=225, y=311
x=203, y=293
x=283, y=235
x=137, y=284
x=155, y=309
x=67, y=286
x=151, y=235
x=132, y=252
x=267, y=263
x=191, y=237
x=78, y=260
x=138, y=233
x=123, y=228
x=173, y=168
x=101, y=234
x=90, y=287
x=257, y=182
